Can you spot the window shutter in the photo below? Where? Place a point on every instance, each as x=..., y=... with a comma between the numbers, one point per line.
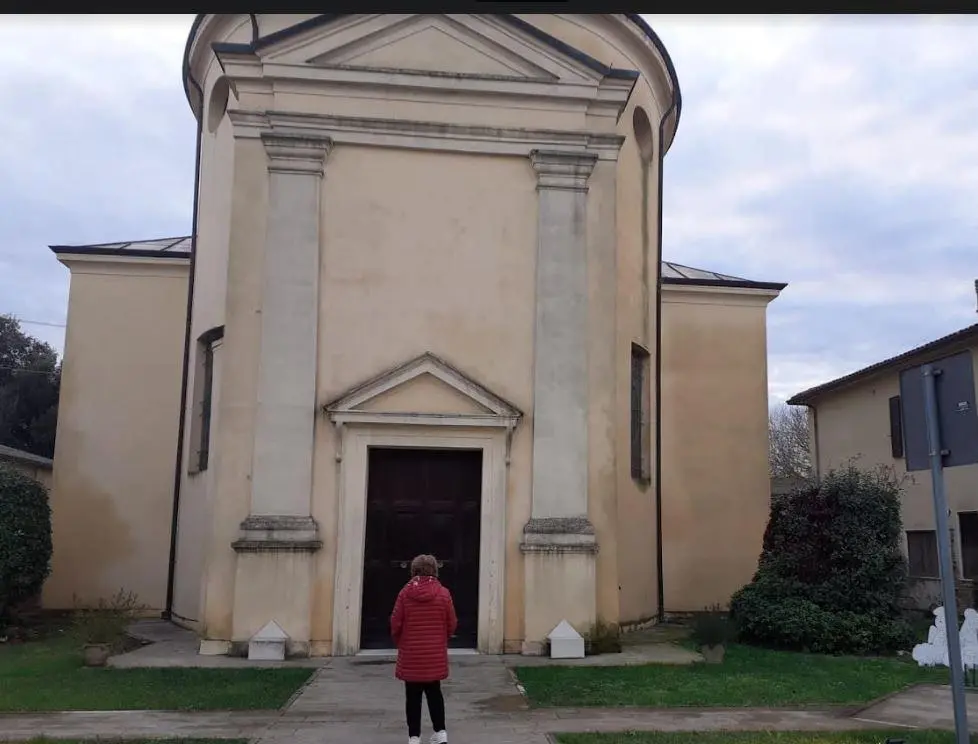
x=896, y=427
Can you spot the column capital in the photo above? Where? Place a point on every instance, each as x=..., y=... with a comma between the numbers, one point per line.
x=558, y=169
x=301, y=154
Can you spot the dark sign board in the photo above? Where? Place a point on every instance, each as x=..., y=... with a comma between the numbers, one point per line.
x=955, y=409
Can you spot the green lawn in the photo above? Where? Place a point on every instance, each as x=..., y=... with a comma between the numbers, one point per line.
x=48, y=675
x=747, y=677
x=764, y=737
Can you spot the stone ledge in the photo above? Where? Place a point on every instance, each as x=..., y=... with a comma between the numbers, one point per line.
x=276, y=546
x=558, y=548
x=558, y=526
x=559, y=535
x=270, y=533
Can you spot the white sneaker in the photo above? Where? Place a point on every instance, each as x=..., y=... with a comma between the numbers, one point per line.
x=414, y=740
x=439, y=737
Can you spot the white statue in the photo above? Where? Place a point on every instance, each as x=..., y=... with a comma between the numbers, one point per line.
x=934, y=652
x=969, y=639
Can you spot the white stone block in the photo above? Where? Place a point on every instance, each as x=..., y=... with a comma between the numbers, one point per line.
x=565, y=642
x=213, y=648
x=268, y=644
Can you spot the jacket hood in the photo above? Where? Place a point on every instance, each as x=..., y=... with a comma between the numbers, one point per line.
x=422, y=588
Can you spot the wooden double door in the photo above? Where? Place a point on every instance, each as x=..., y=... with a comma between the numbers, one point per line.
x=421, y=501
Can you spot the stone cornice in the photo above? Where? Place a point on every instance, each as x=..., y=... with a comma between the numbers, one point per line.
x=80, y=263
x=718, y=295
x=423, y=135
x=562, y=170
x=302, y=154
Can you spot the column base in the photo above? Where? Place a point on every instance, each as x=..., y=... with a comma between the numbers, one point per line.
x=273, y=579
x=559, y=560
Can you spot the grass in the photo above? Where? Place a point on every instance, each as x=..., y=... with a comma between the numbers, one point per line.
x=48, y=675
x=764, y=737
x=747, y=677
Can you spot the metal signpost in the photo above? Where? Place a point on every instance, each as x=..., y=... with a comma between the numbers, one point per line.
x=935, y=449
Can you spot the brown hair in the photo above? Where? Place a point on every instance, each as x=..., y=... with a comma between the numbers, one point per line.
x=424, y=565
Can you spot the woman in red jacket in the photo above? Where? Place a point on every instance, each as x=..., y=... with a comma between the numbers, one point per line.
x=422, y=622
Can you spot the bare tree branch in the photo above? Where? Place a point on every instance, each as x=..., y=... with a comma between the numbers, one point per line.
x=788, y=446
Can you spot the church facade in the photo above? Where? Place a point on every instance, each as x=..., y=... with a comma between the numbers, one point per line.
x=423, y=310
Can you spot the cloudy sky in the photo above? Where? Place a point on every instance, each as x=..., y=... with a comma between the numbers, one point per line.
x=839, y=154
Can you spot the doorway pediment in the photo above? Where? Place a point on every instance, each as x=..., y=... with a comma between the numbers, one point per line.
x=427, y=390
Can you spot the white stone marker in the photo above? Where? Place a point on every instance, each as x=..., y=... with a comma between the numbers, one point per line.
x=565, y=642
x=268, y=644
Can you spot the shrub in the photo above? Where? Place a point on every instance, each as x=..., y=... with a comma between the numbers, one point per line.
x=831, y=572
x=712, y=628
x=25, y=539
x=108, y=620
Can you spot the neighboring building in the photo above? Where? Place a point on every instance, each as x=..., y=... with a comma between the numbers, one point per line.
x=37, y=467
x=875, y=415
x=424, y=316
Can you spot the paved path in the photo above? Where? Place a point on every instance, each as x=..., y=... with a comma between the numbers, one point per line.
x=359, y=700
x=924, y=706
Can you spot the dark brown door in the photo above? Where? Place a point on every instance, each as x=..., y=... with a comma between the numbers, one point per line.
x=421, y=501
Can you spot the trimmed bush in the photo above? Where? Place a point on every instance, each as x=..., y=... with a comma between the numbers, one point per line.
x=831, y=572
x=25, y=539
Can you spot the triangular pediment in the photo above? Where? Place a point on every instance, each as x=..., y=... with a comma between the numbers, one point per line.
x=426, y=387
x=463, y=45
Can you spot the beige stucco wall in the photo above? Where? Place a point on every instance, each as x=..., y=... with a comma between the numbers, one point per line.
x=112, y=487
x=626, y=564
x=854, y=422
x=394, y=231
x=427, y=231
x=715, y=483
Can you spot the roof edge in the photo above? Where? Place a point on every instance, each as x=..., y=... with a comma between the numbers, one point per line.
x=931, y=347
x=635, y=18
x=82, y=250
x=22, y=456
x=732, y=283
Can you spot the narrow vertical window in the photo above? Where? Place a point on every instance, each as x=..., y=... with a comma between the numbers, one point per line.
x=200, y=432
x=640, y=423
x=896, y=427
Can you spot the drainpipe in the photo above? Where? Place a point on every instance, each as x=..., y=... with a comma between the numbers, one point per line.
x=661, y=593
x=181, y=425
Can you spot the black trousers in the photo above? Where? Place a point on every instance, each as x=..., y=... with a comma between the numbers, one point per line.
x=412, y=705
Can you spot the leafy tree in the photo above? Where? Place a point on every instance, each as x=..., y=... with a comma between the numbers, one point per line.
x=30, y=382
x=831, y=572
x=25, y=539
x=789, y=451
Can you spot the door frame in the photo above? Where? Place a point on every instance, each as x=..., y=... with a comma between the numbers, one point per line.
x=351, y=527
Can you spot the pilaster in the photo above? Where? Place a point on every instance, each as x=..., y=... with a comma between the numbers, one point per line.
x=286, y=410
x=559, y=544
x=276, y=541
x=560, y=400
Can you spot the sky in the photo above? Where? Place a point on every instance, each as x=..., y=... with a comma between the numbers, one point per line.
x=838, y=154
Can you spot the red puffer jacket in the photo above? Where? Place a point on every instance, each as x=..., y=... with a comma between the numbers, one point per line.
x=422, y=622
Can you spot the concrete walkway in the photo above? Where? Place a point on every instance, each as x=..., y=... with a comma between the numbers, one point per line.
x=168, y=645
x=359, y=700
x=924, y=706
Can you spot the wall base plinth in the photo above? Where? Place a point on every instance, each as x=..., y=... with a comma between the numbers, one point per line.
x=559, y=558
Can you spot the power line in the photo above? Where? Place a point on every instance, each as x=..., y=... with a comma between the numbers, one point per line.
x=40, y=323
